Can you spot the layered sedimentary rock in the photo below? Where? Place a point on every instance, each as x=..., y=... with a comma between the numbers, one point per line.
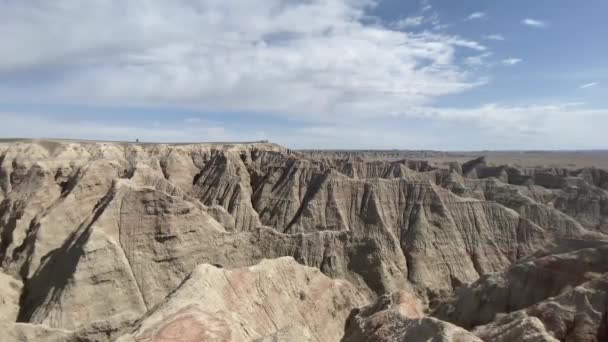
x=523, y=285
x=578, y=314
x=579, y=194
x=94, y=236
x=400, y=317
x=254, y=303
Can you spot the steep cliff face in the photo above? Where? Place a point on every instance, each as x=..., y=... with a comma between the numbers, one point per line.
x=577, y=314
x=96, y=235
x=581, y=194
x=524, y=284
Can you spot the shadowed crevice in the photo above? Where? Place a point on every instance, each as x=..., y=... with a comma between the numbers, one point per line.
x=9, y=215
x=44, y=290
x=602, y=331
x=311, y=192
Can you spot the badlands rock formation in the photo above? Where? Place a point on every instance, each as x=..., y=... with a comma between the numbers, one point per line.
x=273, y=298
x=400, y=317
x=104, y=241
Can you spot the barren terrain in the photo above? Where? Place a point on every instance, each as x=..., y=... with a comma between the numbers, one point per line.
x=252, y=241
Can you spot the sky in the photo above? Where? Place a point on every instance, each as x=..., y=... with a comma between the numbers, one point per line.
x=336, y=74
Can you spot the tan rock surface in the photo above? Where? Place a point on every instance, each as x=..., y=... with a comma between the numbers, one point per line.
x=252, y=303
x=578, y=314
x=400, y=317
x=10, y=291
x=106, y=330
x=523, y=285
x=101, y=231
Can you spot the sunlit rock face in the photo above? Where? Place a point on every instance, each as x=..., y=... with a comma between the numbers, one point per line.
x=255, y=242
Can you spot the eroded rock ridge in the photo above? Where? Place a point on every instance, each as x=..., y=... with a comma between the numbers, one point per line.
x=105, y=241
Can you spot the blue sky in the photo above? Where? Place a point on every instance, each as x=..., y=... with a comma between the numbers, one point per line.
x=429, y=74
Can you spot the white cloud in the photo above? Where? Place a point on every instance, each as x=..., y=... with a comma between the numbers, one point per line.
x=476, y=15
x=511, y=61
x=318, y=60
x=589, y=85
x=496, y=37
x=490, y=126
x=426, y=5
x=543, y=126
x=409, y=22
x=313, y=59
x=534, y=23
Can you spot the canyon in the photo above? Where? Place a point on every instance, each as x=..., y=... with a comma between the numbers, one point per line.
x=118, y=241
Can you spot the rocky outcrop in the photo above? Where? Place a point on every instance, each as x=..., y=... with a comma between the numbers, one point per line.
x=269, y=301
x=402, y=215
x=523, y=285
x=95, y=235
x=579, y=194
x=399, y=317
x=578, y=314
x=225, y=181
x=106, y=330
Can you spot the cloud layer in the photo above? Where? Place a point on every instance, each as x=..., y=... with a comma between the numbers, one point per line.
x=314, y=58
x=349, y=80
x=498, y=126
